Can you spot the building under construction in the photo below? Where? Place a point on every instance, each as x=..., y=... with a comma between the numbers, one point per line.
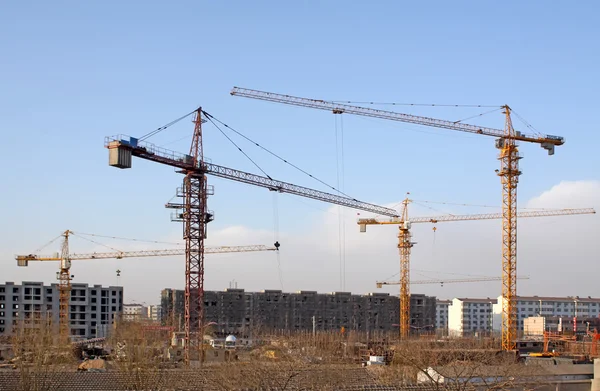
x=242, y=313
x=92, y=309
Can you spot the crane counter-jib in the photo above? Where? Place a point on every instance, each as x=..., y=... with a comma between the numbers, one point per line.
x=122, y=148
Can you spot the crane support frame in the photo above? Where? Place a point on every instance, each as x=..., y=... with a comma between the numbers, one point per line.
x=194, y=234
x=64, y=289
x=509, y=177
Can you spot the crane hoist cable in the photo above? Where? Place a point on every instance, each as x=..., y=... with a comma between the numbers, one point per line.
x=457, y=204
x=409, y=104
x=175, y=141
x=276, y=236
x=343, y=187
x=421, y=271
x=274, y=154
x=337, y=175
x=450, y=273
x=471, y=205
x=96, y=242
x=433, y=253
x=340, y=179
x=210, y=118
x=520, y=118
x=47, y=244
x=130, y=239
x=478, y=115
x=160, y=129
x=431, y=208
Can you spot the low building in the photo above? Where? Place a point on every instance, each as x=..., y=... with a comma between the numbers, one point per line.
x=469, y=317
x=441, y=316
x=135, y=312
x=534, y=326
x=550, y=307
x=154, y=313
x=537, y=325
x=513, y=376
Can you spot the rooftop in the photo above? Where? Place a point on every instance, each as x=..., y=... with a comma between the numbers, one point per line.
x=474, y=300
x=570, y=299
x=514, y=370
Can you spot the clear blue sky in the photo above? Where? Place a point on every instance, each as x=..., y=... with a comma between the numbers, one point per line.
x=72, y=72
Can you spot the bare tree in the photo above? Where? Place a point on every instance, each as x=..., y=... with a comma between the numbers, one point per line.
x=40, y=358
x=139, y=358
x=458, y=365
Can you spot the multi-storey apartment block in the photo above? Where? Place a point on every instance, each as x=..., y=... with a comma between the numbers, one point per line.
x=92, y=309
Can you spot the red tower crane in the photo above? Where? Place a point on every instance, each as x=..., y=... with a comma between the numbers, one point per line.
x=195, y=215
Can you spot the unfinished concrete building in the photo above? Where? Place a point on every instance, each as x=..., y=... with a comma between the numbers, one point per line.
x=243, y=313
x=422, y=312
x=92, y=309
x=172, y=304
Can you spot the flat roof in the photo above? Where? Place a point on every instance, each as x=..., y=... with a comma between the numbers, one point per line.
x=474, y=300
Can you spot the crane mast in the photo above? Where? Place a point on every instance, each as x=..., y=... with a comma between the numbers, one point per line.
x=195, y=215
x=509, y=177
x=509, y=173
x=404, y=246
x=64, y=288
x=195, y=218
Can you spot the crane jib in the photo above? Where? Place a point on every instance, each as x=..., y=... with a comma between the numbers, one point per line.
x=122, y=148
x=341, y=108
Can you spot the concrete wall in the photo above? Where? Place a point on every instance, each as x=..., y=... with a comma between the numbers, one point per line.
x=535, y=325
x=596, y=380
x=467, y=317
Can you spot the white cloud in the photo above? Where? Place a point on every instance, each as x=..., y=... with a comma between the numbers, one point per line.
x=568, y=194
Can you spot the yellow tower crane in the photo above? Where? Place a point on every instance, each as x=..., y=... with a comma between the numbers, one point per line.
x=405, y=244
x=64, y=274
x=506, y=142
x=380, y=284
